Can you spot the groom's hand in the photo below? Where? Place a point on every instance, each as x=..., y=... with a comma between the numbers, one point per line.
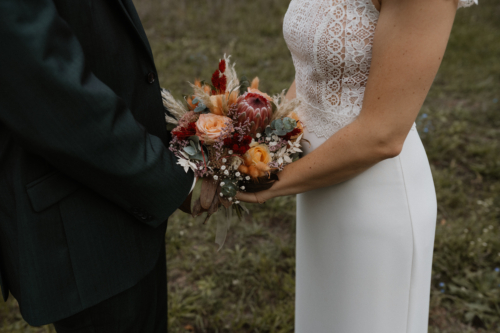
x=186, y=205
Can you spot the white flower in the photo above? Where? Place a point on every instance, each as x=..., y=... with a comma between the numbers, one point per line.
x=223, y=167
x=226, y=173
x=222, y=184
x=242, y=187
x=271, y=144
x=224, y=160
x=216, y=177
x=258, y=135
x=268, y=139
x=230, y=152
x=236, y=202
x=186, y=164
x=221, y=194
x=272, y=154
x=247, y=177
x=237, y=174
x=230, y=199
x=200, y=167
x=275, y=137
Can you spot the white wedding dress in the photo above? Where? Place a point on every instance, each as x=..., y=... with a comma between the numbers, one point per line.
x=364, y=246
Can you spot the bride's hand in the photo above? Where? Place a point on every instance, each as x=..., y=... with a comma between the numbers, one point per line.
x=257, y=197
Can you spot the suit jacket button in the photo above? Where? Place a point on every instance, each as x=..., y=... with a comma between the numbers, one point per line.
x=151, y=77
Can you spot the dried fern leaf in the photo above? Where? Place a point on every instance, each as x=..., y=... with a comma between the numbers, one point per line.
x=202, y=96
x=176, y=108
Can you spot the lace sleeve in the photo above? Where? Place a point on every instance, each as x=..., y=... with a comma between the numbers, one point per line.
x=466, y=3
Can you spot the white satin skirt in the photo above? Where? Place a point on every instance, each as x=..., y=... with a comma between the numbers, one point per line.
x=364, y=248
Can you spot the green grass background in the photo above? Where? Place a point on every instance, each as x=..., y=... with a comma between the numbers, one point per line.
x=249, y=285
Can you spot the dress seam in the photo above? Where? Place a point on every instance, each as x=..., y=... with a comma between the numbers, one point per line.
x=412, y=238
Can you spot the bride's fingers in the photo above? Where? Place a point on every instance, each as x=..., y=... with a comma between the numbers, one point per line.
x=246, y=197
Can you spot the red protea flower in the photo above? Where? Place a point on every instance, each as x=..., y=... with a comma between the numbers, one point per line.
x=257, y=109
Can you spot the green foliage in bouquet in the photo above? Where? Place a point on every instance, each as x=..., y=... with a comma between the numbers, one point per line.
x=281, y=127
x=194, y=148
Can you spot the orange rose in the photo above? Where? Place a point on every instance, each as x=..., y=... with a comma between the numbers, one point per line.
x=255, y=161
x=209, y=126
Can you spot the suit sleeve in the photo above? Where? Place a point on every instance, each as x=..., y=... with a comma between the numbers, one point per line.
x=57, y=108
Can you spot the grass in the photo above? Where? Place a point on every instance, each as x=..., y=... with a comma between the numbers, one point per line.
x=249, y=285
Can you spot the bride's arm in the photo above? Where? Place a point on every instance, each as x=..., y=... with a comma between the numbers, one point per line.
x=409, y=43
x=292, y=92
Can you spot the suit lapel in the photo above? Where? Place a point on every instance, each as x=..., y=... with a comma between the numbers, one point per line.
x=133, y=17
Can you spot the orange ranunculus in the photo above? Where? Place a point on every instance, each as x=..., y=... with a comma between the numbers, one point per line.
x=254, y=88
x=209, y=126
x=255, y=161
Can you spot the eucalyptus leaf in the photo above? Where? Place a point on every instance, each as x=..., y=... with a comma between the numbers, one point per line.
x=195, y=139
x=194, y=145
x=190, y=150
x=280, y=132
x=198, y=156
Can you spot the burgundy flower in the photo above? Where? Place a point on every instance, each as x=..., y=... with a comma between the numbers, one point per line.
x=239, y=145
x=183, y=133
x=257, y=109
x=219, y=80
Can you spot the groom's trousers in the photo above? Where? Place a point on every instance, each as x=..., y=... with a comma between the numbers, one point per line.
x=142, y=308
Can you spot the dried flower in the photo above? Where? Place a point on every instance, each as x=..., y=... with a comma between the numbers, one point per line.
x=184, y=133
x=254, y=88
x=257, y=109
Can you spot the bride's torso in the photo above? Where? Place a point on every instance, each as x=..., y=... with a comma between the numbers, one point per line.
x=331, y=46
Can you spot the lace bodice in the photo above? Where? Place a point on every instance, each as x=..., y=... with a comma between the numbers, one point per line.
x=331, y=46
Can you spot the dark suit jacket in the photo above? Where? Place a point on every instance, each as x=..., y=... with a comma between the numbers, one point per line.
x=86, y=180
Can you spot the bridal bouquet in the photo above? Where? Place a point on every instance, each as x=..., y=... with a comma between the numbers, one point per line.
x=233, y=136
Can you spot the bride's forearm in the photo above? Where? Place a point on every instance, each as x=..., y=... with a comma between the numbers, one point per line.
x=343, y=156
x=292, y=92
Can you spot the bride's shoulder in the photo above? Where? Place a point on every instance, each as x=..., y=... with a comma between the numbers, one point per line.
x=467, y=3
